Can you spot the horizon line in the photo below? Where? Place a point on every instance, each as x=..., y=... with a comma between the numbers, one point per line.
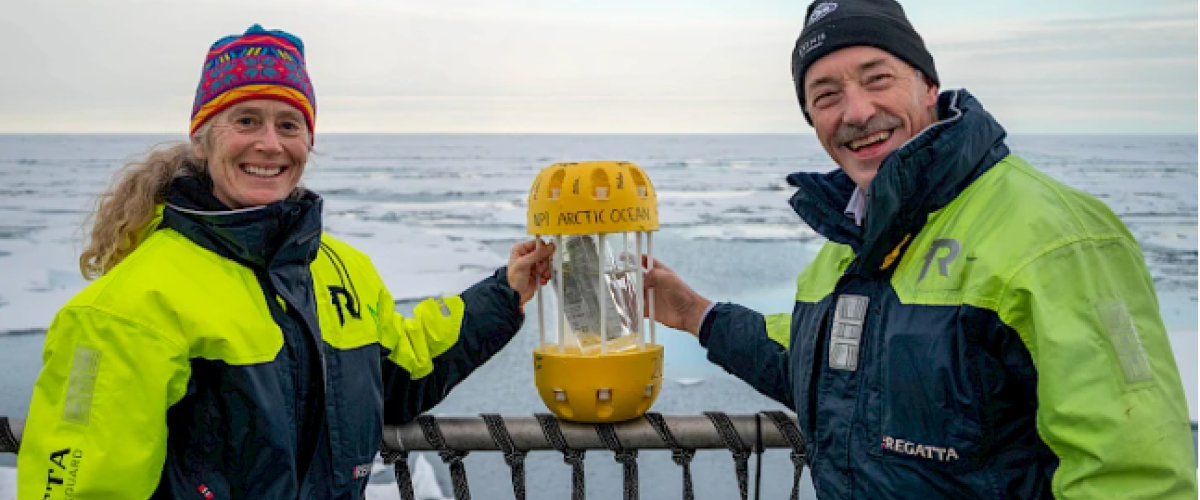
x=805, y=133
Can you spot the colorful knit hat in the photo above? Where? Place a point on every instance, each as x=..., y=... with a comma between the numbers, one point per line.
x=259, y=64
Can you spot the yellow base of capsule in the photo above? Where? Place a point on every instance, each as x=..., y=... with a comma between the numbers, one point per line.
x=595, y=389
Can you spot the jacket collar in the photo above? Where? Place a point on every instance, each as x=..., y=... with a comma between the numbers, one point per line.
x=278, y=234
x=922, y=176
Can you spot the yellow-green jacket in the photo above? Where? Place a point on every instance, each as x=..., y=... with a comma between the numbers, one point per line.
x=242, y=354
x=988, y=334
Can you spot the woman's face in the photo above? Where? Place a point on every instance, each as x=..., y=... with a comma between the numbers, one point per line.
x=256, y=152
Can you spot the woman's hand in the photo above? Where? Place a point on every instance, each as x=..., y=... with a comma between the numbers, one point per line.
x=529, y=267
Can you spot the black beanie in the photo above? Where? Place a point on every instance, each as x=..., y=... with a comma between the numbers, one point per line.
x=837, y=24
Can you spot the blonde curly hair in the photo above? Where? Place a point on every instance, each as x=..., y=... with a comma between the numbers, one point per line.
x=125, y=210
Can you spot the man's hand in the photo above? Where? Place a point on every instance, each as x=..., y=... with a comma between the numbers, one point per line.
x=529, y=267
x=676, y=305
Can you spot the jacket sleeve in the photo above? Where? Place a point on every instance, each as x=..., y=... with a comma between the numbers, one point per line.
x=444, y=341
x=1110, y=401
x=746, y=344
x=97, y=424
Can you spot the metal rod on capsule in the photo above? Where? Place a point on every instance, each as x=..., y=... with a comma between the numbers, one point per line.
x=562, y=313
x=541, y=310
x=650, y=267
x=637, y=287
x=601, y=299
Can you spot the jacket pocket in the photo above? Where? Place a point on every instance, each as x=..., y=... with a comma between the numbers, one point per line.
x=357, y=386
x=931, y=401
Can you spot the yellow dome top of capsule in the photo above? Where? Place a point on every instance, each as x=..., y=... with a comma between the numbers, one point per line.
x=591, y=197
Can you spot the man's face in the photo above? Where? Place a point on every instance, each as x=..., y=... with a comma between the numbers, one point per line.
x=866, y=103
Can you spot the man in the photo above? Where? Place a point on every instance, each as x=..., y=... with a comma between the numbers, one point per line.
x=973, y=329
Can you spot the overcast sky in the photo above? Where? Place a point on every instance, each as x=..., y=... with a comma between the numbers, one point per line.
x=1040, y=66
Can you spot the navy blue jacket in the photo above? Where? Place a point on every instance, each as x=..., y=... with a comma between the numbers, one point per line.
x=988, y=334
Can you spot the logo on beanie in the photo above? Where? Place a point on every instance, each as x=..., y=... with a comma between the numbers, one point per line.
x=810, y=44
x=821, y=11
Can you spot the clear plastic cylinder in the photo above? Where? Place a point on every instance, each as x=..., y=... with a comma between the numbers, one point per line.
x=598, y=286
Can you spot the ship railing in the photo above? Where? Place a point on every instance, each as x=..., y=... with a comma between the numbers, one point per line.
x=743, y=435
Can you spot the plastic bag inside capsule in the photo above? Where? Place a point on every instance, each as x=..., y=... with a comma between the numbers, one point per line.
x=585, y=293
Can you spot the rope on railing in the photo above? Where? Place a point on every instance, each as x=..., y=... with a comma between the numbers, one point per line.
x=792, y=433
x=8, y=442
x=463, y=433
x=512, y=456
x=626, y=457
x=733, y=441
x=758, y=454
x=571, y=456
x=454, y=437
x=398, y=459
x=680, y=455
x=452, y=457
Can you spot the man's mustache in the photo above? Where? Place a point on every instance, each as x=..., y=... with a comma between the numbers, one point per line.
x=848, y=132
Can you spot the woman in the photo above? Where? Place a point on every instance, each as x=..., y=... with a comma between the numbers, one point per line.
x=230, y=348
